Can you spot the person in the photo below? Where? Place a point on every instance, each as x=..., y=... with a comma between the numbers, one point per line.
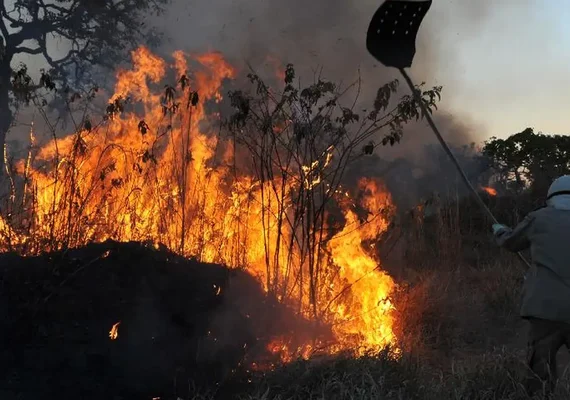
x=546, y=297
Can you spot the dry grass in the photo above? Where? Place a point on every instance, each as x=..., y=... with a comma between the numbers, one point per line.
x=458, y=325
x=492, y=375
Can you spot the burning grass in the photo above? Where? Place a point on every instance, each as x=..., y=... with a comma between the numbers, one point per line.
x=181, y=320
x=261, y=190
x=463, y=340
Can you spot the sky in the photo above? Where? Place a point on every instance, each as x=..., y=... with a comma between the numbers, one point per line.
x=514, y=72
x=504, y=64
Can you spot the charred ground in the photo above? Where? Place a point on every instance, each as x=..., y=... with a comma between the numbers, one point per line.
x=181, y=323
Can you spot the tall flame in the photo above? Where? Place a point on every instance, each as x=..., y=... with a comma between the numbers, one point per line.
x=153, y=174
x=114, y=332
x=368, y=310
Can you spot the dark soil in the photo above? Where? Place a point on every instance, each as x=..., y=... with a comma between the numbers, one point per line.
x=183, y=324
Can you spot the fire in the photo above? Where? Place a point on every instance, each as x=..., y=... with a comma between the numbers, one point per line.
x=114, y=332
x=365, y=314
x=276, y=65
x=490, y=191
x=160, y=173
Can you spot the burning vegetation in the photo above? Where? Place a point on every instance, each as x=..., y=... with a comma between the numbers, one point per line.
x=262, y=190
x=489, y=190
x=114, y=332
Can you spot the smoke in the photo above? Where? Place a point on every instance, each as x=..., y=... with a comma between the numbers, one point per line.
x=321, y=33
x=328, y=37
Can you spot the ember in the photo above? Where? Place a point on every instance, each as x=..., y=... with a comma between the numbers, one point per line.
x=490, y=191
x=114, y=332
x=162, y=174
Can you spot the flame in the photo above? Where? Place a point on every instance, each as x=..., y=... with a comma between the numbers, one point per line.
x=277, y=67
x=365, y=315
x=160, y=173
x=490, y=191
x=114, y=332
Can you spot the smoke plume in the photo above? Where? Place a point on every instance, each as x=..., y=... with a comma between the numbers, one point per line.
x=328, y=37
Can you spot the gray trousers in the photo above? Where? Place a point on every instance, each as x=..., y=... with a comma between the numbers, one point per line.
x=545, y=339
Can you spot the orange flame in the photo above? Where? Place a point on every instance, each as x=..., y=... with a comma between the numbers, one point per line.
x=367, y=311
x=277, y=66
x=490, y=191
x=114, y=332
x=161, y=176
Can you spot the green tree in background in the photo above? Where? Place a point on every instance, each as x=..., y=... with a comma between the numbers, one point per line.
x=94, y=32
x=528, y=160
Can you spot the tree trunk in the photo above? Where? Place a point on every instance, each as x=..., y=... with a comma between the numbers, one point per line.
x=6, y=115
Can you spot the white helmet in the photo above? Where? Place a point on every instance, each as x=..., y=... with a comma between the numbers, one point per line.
x=560, y=185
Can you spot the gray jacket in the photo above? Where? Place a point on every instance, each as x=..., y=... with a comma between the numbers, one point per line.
x=547, y=287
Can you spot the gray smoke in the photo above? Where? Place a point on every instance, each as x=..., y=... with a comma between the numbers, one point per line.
x=328, y=36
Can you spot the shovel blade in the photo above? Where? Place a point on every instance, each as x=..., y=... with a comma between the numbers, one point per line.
x=391, y=37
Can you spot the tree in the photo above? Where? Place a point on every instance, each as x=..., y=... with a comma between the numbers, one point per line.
x=97, y=32
x=529, y=160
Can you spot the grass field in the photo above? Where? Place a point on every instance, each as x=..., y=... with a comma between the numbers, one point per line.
x=457, y=304
x=459, y=327
x=463, y=341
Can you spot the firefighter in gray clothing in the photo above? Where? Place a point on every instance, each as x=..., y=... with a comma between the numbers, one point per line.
x=546, y=297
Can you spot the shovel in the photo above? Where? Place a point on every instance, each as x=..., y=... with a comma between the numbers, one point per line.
x=391, y=39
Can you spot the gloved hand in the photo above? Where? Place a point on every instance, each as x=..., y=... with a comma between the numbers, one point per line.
x=499, y=229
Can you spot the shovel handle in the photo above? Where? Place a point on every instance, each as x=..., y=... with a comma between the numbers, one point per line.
x=433, y=127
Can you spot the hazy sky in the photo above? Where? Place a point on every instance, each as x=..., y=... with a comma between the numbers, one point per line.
x=515, y=72
x=504, y=64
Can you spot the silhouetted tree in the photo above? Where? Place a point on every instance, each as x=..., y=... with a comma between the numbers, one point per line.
x=96, y=32
x=529, y=160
